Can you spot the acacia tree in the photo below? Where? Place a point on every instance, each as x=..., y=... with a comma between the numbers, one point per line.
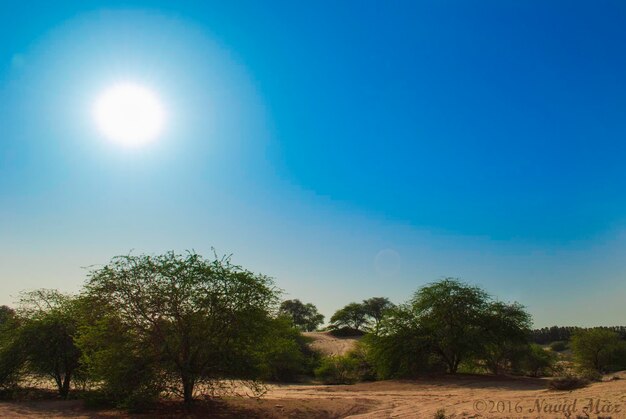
x=452, y=314
x=201, y=318
x=11, y=355
x=352, y=315
x=376, y=308
x=595, y=348
x=303, y=316
x=49, y=324
x=449, y=321
x=506, y=328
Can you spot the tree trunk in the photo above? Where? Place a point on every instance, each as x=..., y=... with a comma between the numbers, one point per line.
x=188, y=385
x=64, y=390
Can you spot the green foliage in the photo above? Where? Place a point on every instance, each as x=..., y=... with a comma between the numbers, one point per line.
x=201, y=319
x=448, y=323
x=505, y=327
x=337, y=370
x=534, y=360
x=11, y=356
x=49, y=324
x=304, y=316
x=558, y=346
x=285, y=354
x=401, y=349
x=360, y=317
x=597, y=349
x=353, y=315
x=452, y=315
x=126, y=369
x=564, y=333
x=375, y=308
x=346, y=369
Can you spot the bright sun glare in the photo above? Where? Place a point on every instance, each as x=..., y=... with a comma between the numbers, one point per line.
x=129, y=114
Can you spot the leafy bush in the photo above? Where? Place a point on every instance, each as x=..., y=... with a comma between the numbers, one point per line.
x=347, y=369
x=589, y=375
x=285, y=355
x=558, y=346
x=337, y=370
x=534, y=361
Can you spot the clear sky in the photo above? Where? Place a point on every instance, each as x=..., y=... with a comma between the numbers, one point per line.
x=349, y=149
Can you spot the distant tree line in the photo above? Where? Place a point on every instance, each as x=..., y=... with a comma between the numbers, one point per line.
x=546, y=335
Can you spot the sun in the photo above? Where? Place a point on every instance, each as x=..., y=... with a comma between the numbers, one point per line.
x=129, y=114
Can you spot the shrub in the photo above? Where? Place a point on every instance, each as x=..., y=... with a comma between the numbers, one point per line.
x=534, y=361
x=567, y=383
x=346, y=369
x=337, y=370
x=285, y=355
x=590, y=375
x=360, y=356
x=558, y=346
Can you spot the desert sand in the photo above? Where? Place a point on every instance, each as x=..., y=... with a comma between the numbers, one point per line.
x=328, y=344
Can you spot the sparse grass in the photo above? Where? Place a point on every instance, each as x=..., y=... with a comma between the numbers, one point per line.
x=567, y=383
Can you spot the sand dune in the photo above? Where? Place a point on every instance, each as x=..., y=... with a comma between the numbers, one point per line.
x=328, y=344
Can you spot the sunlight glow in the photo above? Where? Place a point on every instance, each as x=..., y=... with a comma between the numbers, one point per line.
x=129, y=114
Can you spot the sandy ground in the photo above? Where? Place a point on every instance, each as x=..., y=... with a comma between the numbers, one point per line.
x=468, y=397
x=328, y=344
x=461, y=397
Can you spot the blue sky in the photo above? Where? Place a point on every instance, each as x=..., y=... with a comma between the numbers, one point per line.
x=348, y=149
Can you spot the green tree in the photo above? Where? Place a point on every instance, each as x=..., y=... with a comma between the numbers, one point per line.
x=304, y=316
x=11, y=356
x=285, y=352
x=127, y=370
x=201, y=318
x=506, y=328
x=401, y=347
x=448, y=322
x=533, y=360
x=376, y=308
x=352, y=315
x=452, y=314
x=49, y=324
x=595, y=348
